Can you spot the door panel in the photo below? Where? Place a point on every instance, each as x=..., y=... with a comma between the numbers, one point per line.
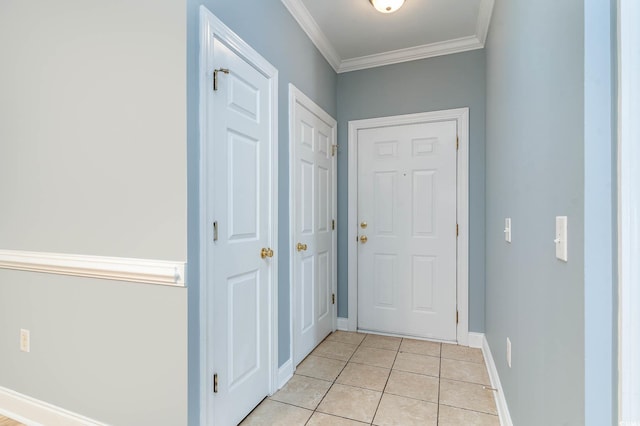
x=238, y=201
x=306, y=195
x=243, y=176
x=407, y=197
x=313, y=197
x=385, y=280
x=324, y=284
x=244, y=298
x=307, y=293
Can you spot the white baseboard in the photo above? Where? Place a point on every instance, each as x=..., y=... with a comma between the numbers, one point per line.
x=285, y=373
x=476, y=340
x=33, y=412
x=501, y=402
x=343, y=324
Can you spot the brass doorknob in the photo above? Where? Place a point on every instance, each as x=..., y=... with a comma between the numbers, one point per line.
x=301, y=247
x=266, y=252
x=363, y=239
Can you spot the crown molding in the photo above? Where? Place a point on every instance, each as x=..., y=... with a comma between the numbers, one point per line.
x=309, y=25
x=484, y=19
x=301, y=14
x=411, y=54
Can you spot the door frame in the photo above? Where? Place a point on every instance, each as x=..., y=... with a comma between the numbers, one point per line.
x=628, y=204
x=297, y=96
x=212, y=27
x=461, y=116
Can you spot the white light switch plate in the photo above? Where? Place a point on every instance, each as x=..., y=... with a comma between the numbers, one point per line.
x=561, y=238
x=507, y=229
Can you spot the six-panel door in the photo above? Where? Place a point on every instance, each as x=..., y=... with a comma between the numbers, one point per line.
x=407, y=199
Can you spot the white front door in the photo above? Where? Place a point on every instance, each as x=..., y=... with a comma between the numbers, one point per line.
x=313, y=233
x=407, y=230
x=239, y=230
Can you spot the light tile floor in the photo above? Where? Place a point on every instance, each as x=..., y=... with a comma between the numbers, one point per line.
x=5, y=421
x=353, y=379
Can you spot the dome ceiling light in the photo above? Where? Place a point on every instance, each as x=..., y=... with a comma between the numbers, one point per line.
x=387, y=6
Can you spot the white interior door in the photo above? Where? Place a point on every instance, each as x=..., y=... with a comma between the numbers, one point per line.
x=240, y=214
x=313, y=233
x=407, y=230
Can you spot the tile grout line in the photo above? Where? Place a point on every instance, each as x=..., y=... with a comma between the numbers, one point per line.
x=387, y=382
x=315, y=410
x=470, y=410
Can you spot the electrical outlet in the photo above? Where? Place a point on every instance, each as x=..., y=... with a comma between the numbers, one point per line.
x=508, y=352
x=25, y=340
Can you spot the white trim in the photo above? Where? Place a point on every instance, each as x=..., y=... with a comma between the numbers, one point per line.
x=411, y=54
x=628, y=208
x=297, y=96
x=342, y=324
x=501, y=402
x=301, y=14
x=476, y=340
x=33, y=412
x=461, y=115
x=484, y=19
x=211, y=26
x=108, y=268
x=285, y=373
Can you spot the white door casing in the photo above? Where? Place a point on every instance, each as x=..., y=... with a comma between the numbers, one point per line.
x=313, y=209
x=238, y=182
x=628, y=212
x=461, y=117
x=407, y=216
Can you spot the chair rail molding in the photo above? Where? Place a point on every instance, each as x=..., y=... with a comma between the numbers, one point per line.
x=146, y=271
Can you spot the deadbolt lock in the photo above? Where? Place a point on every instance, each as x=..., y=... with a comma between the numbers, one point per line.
x=301, y=247
x=363, y=239
x=363, y=225
x=266, y=252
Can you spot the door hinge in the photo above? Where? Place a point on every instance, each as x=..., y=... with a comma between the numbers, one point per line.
x=457, y=143
x=457, y=230
x=215, y=230
x=333, y=224
x=334, y=149
x=456, y=317
x=215, y=76
x=215, y=383
x=333, y=299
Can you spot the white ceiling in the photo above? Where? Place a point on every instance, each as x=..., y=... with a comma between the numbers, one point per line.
x=352, y=35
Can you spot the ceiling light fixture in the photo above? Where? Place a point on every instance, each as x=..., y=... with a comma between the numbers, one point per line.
x=387, y=6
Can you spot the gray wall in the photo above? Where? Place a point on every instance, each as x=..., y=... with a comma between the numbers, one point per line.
x=93, y=161
x=549, y=153
x=432, y=84
x=269, y=28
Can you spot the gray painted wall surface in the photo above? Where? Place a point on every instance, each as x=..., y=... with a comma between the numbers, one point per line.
x=267, y=27
x=93, y=161
x=535, y=172
x=432, y=84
